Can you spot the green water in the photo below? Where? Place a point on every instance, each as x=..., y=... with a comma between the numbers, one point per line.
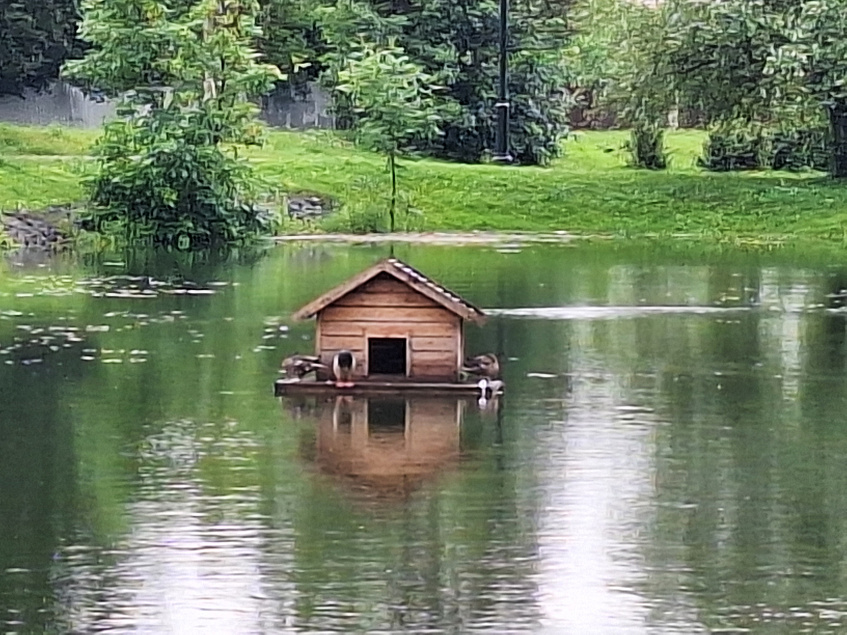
x=670, y=456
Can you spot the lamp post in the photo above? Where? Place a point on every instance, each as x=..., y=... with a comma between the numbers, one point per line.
x=501, y=150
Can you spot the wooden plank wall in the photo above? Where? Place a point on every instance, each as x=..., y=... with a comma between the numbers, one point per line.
x=385, y=307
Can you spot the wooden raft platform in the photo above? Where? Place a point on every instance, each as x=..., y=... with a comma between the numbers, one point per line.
x=370, y=386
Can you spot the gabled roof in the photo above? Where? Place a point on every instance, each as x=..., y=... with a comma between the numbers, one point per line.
x=405, y=274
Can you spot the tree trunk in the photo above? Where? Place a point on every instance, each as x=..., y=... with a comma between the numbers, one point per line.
x=838, y=125
x=393, y=189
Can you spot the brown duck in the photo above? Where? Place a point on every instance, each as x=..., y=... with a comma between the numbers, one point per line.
x=301, y=365
x=486, y=365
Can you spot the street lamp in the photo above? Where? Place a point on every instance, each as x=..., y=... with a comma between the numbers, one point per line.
x=501, y=151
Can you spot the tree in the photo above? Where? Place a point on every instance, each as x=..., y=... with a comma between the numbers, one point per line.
x=815, y=58
x=763, y=60
x=616, y=55
x=459, y=38
x=717, y=55
x=168, y=168
x=456, y=41
x=393, y=99
x=291, y=38
x=37, y=37
x=600, y=59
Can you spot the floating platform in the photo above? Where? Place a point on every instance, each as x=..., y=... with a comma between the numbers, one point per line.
x=382, y=387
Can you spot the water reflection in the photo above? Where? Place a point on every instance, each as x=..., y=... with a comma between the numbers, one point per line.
x=382, y=446
x=412, y=537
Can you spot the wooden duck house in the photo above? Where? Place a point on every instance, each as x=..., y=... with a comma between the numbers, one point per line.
x=403, y=328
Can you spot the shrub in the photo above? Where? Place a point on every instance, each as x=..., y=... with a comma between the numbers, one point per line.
x=360, y=219
x=735, y=146
x=169, y=189
x=745, y=146
x=805, y=148
x=647, y=146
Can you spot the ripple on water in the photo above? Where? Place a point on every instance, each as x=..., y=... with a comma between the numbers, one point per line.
x=191, y=560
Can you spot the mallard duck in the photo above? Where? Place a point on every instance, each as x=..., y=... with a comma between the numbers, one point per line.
x=301, y=365
x=482, y=366
x=343, y=367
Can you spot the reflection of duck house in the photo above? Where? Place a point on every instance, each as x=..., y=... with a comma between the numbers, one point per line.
x=405, y=331
x=388, y=444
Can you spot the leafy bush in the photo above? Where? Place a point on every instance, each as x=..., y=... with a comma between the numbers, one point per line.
x=743, y=146
x=539, y=113
x=170, y=189
x=735, y=146
x=538, y=117
x=360, y=219
x=801, y=149
x=647, y=146
x=368, y=215
x=168, y=171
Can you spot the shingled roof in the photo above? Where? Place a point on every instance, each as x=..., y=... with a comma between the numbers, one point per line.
x=405, y=274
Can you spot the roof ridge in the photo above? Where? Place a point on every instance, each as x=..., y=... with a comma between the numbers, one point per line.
x=406, y=274
x=422, y=277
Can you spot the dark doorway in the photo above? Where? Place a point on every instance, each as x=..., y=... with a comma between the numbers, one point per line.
x=386, y=414
x=387, y=356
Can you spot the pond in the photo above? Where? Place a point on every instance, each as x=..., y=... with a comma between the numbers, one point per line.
x=670, y=455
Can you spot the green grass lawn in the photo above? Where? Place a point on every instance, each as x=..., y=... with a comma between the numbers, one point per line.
x=590, y=190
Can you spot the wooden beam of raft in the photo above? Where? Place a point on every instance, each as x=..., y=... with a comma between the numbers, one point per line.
x=296, y=387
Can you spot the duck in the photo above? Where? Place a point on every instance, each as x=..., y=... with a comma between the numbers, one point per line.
x=486, y=365
x=301, y=365
x=343, y=367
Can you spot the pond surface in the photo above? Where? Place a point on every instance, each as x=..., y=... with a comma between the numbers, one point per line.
x=670, y=455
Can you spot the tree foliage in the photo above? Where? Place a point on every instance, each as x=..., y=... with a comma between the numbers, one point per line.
x=457, y=43
x=168, y=169
x=36, y=36
x=393, y=99
x=763, y=60
x=453, y=40
x=602, y=59
x=291, y=38
x=616, y=62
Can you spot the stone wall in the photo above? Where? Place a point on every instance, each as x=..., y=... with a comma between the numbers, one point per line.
x=63, y=104
x=308, y=107
x=298, y=109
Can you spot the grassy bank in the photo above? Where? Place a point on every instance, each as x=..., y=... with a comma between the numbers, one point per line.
x=589, y=190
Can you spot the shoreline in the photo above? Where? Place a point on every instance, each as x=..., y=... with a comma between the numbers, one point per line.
x=587, y=194
x=436, y=238
x=506, y=238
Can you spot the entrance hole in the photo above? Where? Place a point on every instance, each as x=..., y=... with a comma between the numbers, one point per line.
x=387, y=356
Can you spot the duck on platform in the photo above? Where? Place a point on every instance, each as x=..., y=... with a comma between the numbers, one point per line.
x=343, y=367
x=487, y=366
x=301, y=365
